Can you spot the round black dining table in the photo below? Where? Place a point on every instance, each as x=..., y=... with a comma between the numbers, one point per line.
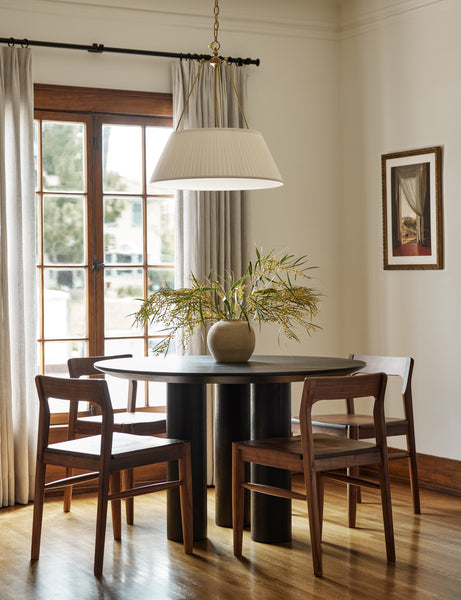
x=252, y=401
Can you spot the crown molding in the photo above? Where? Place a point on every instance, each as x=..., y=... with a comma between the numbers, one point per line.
x=315, y=19
x=299, y=18
x=356, y=20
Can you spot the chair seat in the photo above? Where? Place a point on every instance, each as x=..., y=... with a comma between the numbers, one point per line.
x=122, y=444
x=146, y=423
x=325, y=445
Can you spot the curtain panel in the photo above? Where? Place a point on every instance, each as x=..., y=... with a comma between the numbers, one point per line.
x=18, y=364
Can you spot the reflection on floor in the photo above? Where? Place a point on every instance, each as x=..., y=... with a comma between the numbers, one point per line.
x=146, y=565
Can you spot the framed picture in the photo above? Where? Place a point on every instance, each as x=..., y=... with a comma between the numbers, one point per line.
x=412, y=209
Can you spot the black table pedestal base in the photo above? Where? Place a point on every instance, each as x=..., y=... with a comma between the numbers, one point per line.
x=186, y=410
x=270, y=417
x=232, y=424
x=253, y=411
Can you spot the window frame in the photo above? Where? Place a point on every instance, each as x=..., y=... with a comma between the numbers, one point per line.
x=94, y=106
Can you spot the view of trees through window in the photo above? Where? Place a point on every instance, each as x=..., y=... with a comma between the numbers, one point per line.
x=105, y=235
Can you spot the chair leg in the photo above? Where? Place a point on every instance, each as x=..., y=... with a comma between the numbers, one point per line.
x=353, y=492
x=128, y=483
x=386, y=502
x=238, y=499
x=313, y=503
x=116, y=506
x=101, y=521
x=68, y=492
x=185, y=496
x=414, y=480
x=38, y=509
x=320, y=495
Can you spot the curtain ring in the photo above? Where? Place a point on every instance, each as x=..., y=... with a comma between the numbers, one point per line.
x=11, y=42
x=25, y=43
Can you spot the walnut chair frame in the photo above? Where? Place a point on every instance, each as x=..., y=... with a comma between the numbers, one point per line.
x=129, y=421
x=318, y=456
x=360, y=426
x=103, y=457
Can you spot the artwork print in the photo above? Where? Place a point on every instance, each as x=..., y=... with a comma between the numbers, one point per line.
x=412, y=209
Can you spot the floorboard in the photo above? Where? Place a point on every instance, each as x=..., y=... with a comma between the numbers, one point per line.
x=146, y=565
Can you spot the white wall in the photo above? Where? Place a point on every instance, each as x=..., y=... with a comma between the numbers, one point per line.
x=401, y=90
x=330, y=96
x=292, y=99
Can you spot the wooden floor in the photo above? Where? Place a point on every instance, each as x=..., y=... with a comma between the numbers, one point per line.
x=146, y=565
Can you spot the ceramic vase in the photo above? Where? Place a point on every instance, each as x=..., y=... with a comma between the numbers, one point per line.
x=231, y=341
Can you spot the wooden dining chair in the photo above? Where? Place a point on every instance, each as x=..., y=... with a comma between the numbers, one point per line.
x=361, y=426
x=103, y=457
x=318, y=456
x=128, y=421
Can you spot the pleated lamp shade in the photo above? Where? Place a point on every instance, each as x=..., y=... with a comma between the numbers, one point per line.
x=216, y=159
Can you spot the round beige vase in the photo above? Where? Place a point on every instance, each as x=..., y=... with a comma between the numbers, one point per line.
x=231, y=341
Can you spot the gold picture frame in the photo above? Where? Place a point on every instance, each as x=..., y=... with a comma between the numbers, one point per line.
x=412, y=209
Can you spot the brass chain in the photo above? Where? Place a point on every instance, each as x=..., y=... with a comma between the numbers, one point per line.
x=215, y=61
x=215, y=45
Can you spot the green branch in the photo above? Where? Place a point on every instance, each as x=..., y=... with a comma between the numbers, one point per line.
x=268, y=292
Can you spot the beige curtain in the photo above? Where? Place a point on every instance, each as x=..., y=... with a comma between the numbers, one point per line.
x=211, y=227
x=18, y=289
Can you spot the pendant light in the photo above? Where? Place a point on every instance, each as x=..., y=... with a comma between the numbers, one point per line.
x=216, y=158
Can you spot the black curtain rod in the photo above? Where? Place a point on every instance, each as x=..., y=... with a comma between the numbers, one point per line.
x=100, y=48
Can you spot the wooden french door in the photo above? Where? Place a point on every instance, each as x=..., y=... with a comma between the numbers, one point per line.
x=105, y=235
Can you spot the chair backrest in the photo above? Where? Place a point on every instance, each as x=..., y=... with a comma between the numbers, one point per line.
x=315, y=389
x=79, y=367
x=401, y=366
x=391, y=365
x=73, y=391
x=84, y=366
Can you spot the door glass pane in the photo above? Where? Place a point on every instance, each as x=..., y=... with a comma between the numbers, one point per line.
x=160, y=278
x=157, y=393
x=64, y=303
x=122, y=158
x=64, y=230
x=157, y=279
x=160, y=231
x=152, y=342
x=117, y=387
x=123, y=289
x=123, y=239
x=57, y=353
x=156, y=138
x=63, y=155
x=125, y=346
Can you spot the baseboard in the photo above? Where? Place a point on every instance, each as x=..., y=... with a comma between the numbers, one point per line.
x=434, y=472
